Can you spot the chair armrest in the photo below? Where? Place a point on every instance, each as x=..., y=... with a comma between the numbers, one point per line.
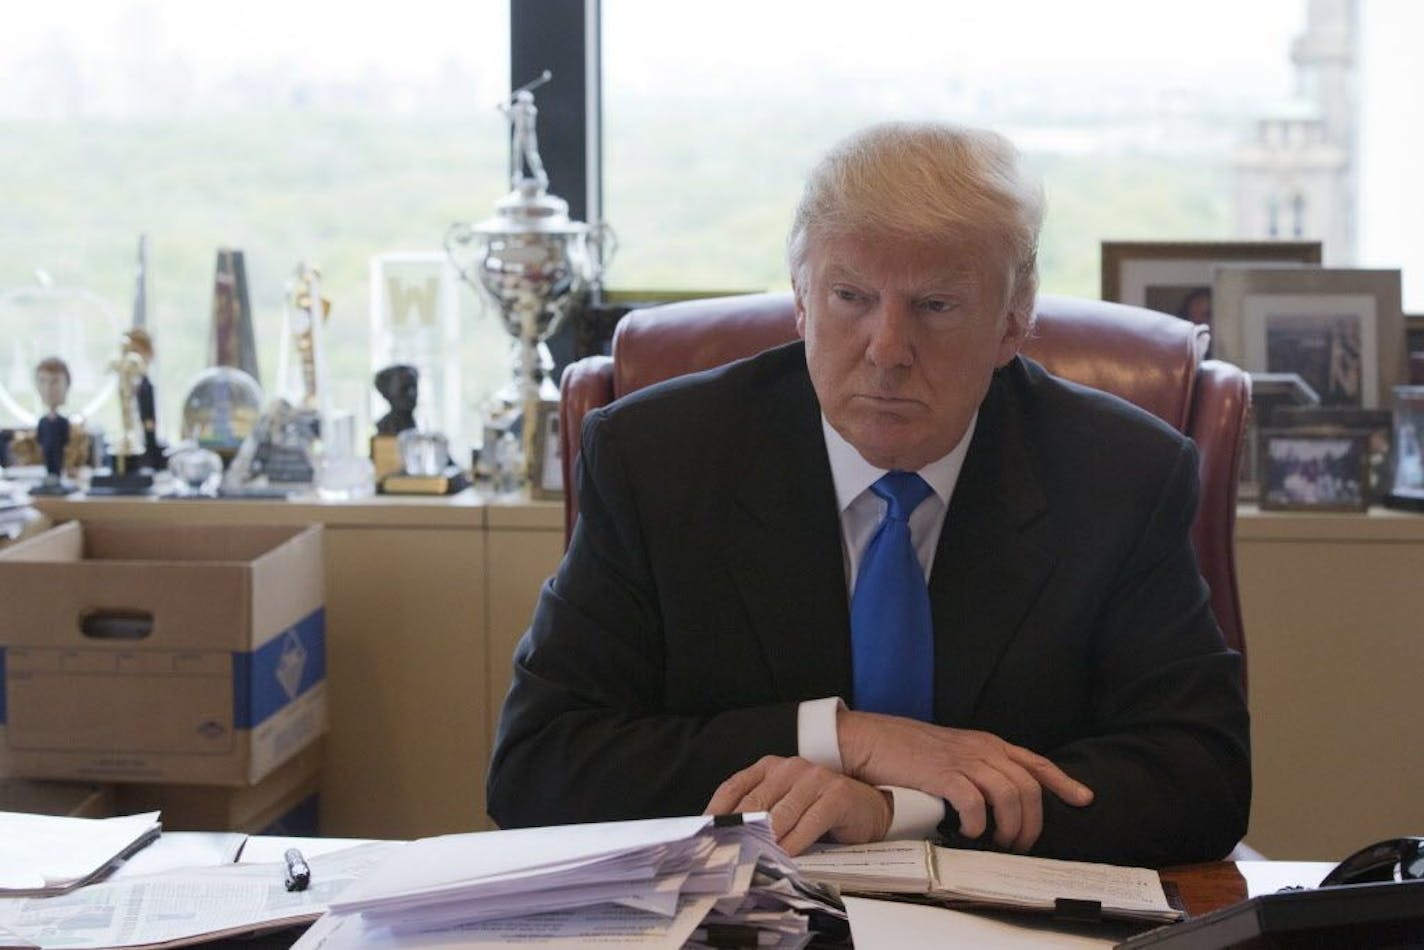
x=586, y=384
x=1218, y=426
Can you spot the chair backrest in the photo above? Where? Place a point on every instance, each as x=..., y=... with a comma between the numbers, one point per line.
x=1150, y=359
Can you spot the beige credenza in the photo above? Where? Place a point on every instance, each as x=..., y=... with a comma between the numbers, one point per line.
x=1333, y=607
x=427, y=597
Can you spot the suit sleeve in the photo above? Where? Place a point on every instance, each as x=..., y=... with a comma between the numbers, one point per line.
x=1168, y=757
x=587, y=732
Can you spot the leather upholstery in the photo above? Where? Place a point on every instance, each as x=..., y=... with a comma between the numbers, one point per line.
x=1150, y=359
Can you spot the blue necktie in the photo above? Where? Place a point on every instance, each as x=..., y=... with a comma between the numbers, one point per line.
x=891, y=634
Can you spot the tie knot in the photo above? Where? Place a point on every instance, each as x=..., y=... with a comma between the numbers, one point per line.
x=902, y=491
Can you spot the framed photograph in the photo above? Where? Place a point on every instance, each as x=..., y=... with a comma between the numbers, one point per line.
x=1377, y=423
x=1407, y=489
x=1340, y=329
x=1269, y=393
x=1318, y=471
x=546, y=470
x=1176, y=277
x=1414, y=346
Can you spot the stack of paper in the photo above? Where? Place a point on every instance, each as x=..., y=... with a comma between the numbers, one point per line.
x=957, y=877
x=656, y=883
x=44, y=854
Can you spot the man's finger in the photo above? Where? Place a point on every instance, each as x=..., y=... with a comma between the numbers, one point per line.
x=967, y=801
x=811, y=824
x=1002, y=795
x=734, y=789
x=1051, y=777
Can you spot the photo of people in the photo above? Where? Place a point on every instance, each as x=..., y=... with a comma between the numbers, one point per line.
x=1323, y=349
x=1188, y=301
x=1314, y=471
x=1408, y=430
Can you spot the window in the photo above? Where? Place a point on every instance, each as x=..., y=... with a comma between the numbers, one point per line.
x=1131, y=112
x=293, y=131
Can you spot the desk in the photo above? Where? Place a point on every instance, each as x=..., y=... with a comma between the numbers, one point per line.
x=427, y=597
x=1335, y=648
x=1204, y=888
x=1212, y=886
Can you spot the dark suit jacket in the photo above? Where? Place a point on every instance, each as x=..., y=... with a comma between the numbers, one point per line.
x=703, y=596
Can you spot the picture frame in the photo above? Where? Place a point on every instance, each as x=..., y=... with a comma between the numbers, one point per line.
x=1313, y=470
x=545, y=456
x=1378, y=424
x=1407, y=485
x=1341, y=329
x=1269, y=393
x=1176, y=277
x=1414, y=346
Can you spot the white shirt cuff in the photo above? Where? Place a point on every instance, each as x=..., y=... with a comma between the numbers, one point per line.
x=816, y=737
x=917, y=814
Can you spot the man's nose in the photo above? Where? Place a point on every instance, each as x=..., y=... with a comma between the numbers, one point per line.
x=891, y=329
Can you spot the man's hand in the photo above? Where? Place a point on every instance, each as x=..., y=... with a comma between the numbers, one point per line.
x=973, y=771
x=806, y=801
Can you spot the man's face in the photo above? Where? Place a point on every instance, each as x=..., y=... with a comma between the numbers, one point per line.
x=902, y=339
x=53, y=387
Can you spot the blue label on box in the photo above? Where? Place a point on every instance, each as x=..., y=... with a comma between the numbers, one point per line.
x=279, y=671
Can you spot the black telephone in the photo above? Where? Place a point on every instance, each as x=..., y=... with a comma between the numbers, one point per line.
x=1397, y=859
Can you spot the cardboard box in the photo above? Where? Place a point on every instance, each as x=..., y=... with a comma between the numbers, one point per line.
x=285, y=802
x=66, y=799
x=138, y=652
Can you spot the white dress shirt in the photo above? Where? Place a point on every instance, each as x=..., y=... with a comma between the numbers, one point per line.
x=916, y=813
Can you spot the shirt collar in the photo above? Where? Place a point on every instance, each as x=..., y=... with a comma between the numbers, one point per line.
x=852, y=474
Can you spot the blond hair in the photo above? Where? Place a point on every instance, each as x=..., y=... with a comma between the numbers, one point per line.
x=926, y=181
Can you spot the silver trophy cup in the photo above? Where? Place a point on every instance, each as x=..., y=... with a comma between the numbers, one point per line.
x=530, y=258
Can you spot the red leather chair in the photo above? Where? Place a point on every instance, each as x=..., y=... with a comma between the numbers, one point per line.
x=1148, y=358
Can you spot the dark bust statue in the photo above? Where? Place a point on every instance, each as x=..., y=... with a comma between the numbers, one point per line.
x=399, y=385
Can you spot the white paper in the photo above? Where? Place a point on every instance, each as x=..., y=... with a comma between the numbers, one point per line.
x=891, y=925
x=45, y=851
x=899, y=866
x=183, y=907
x=1268, y=877
x=567, y=930
x=262, y=849
x=182, y=849
x=493, y=862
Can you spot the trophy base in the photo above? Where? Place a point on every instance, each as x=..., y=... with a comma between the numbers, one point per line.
x=130, y=483
x=58, y=487
x=452, y=480
x=385, y=455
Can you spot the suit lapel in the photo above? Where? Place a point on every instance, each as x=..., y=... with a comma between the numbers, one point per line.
x=994, y=553
x=784, y=550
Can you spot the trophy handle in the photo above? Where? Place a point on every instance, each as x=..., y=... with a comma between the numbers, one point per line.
x=461, y=234
x=602, y=246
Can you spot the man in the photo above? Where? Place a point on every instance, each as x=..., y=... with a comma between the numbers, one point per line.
x=991, y=566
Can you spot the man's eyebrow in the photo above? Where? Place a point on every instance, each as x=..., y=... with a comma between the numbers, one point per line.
x=836, y=271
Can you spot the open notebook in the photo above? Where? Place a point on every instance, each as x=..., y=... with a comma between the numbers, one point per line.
x=959, y=878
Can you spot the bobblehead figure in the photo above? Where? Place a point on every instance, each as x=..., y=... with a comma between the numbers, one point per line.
x=52, y=430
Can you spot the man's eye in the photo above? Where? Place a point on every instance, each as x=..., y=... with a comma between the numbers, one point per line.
x=843, y=293
x=937, y=305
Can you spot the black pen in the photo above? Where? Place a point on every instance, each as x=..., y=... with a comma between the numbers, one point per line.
x=298, y=873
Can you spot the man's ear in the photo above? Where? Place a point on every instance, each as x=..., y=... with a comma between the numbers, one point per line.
x=1016, y=326
x=800, y=305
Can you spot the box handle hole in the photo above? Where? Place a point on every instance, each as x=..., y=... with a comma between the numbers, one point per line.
x=102, y=623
